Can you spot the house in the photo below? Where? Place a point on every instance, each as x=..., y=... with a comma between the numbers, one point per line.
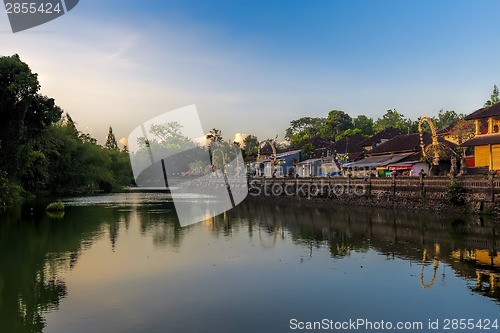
x=317, y=167
x=380, y=137
x=284, y=164
x=308, y=168
x=486, y=141
x=403, y=155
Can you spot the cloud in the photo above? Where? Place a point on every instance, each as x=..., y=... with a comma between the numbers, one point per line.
x=239, y=137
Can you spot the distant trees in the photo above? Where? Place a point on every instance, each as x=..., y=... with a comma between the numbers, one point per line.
x=364, y=124
x=250, y=146
x=302, y=129
x=336, y=123
x=78, y=163
x=391, y=118
x=494, y=99
x=214, y=136
x=446, y=118
x=111, y=140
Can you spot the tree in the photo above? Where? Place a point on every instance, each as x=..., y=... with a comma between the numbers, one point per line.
x=391, y=118
x=111, y=140
x=307, y=150
x=336, y=123
x=250, y=144
x=214, y=136
x=18, y=88
x=302, y=129
x=494, y=99
x=364, y=124
x=462, y=131
x=350, y=132
x=447, y=118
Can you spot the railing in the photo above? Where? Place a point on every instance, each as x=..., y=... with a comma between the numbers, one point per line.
x=471, y=183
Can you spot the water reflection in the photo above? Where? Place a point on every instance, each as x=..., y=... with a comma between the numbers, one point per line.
x=467, y=244
x=37, y=251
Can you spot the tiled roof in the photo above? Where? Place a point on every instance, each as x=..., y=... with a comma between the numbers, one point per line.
x=350, y=144
x=405, y=143
x=481, y=140
x=387, y=134
x=486, y=112
x=376, y=161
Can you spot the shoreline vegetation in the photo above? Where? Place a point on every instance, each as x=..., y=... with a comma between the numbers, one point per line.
x=41, y=150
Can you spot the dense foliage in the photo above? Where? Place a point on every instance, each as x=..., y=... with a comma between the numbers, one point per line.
x=41, y=150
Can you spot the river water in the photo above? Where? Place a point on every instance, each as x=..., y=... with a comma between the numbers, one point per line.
x=122, y=263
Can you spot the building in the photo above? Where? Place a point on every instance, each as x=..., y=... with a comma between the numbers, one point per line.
x=486, y=141
x=318, y=167
x=403, y=155
x=284, y=165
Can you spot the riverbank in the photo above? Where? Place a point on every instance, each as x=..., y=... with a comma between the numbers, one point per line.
x=472, y=194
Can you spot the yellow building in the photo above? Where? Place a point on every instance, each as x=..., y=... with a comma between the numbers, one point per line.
x=486, y=142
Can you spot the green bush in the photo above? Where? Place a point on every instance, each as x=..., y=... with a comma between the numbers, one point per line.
x=455, y=194
x=10, y=192
x=55, y=207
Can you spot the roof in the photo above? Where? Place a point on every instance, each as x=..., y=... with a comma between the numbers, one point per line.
x=349, y=144
x=486, y=112
x=406, y=143
x=316, y=141
x=376, y=161
x=481, y=140
x=281, y=155
x=310, y=161
x=287, y=153
x=387, y=134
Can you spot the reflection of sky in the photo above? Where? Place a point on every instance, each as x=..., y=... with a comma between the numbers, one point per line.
x=251, y=67
x=218, y=276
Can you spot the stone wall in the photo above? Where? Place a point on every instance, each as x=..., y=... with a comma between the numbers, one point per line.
x=481, y=193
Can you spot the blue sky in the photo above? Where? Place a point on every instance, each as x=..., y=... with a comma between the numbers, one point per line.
x=252, y=66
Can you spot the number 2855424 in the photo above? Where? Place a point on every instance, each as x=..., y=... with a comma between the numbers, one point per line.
x=32, y=8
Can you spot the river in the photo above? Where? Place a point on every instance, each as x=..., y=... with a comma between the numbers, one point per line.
x=121, y=263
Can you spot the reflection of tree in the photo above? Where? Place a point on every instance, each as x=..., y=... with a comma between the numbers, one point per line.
x=35, y=250
x=163, y=227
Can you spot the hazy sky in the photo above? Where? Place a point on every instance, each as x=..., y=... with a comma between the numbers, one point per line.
x=252, y=66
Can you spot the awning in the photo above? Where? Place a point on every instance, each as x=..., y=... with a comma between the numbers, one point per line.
x=376, y=161
x=402, y=165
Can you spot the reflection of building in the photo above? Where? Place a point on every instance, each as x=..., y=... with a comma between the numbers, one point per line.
x=432, y=245
x=479, y=257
